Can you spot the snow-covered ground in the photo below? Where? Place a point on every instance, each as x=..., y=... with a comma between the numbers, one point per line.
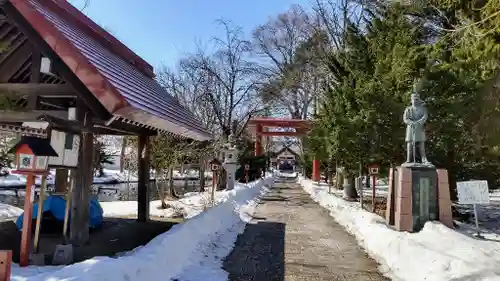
x=9, y=212
x=110, y=176
x=192, y=250
x=189, y=206
x=285, y=174
x=436, y=253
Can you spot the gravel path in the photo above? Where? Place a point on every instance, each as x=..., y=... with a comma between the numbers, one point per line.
x=292, y=238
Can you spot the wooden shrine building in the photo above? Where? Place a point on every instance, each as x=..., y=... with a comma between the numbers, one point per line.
x=53, y=58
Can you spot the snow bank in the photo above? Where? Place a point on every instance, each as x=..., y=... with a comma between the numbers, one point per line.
x=189, y=206
x=436, y=253
x=192, y=250
x=9, y=212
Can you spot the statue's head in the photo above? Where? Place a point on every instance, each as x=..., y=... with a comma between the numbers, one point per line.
x=415, y=98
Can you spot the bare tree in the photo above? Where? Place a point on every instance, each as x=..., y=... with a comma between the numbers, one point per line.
x=225, y=81
x=188, y=87
x=287, y=47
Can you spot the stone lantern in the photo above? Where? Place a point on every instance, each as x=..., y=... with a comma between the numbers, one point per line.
x=230, y=163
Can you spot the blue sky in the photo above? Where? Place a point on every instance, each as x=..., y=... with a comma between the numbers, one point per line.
x=161, y=31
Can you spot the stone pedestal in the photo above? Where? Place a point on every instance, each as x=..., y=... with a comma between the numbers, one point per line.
x=230, y=174
x=417, y=195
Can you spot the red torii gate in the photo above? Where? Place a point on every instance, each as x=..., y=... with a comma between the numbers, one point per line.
x=261, y=124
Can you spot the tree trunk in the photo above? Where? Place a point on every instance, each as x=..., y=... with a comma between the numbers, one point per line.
x=202, y=173
x=122, y=154
x=162, y=192
x=221, y=180
x=330, y=174
x=61, y=180
x=173, y=194
x=350, y=192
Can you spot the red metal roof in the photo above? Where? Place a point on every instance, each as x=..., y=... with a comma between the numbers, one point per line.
x=122, y=82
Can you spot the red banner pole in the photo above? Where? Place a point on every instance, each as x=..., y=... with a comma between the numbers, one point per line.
x=28, y=214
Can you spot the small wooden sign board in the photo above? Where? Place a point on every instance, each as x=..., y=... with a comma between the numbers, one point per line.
x=373, y=170
x=215, y=167
x=214, y=164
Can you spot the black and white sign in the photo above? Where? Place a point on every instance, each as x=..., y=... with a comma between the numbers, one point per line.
x=473, y=192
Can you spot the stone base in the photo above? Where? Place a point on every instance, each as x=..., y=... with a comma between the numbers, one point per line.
x=63, y=255
x=37, y=259
x=409, y=207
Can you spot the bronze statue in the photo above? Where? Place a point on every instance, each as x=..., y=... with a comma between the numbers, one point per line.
x=415, y=117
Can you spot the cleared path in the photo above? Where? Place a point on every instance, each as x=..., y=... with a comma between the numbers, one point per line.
x=292, y=238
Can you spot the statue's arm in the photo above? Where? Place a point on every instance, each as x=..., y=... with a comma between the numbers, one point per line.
x=406, y=117
x=422, y=120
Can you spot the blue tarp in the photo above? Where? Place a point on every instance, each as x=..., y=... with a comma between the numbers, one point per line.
x=57, y=206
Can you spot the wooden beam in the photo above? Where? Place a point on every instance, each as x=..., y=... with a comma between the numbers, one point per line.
x=30, y=116
x=36, y=89
x=14, y=62
x=83, y=92
x=36, y=62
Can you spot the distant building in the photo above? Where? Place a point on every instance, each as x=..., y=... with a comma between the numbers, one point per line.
x=285, y=158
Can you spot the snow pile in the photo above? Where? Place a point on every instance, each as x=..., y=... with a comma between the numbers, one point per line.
x=192, y=250
x=125, y=176
x=436, y=253
x=12, y=180
x=9, y=212
x=189, y=206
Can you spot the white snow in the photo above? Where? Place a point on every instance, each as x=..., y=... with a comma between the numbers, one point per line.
x=12, y=180
x=188, y=206
x=192, y=250
x=285, y=175
x=9, y=212
x=110, y=176
x=436, y=253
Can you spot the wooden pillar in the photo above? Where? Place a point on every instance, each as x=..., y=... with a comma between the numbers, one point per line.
x=28, y=214
x=143, y=184
x=258, y=141
x=316, y=171
x=80, y=206
x=61, y=180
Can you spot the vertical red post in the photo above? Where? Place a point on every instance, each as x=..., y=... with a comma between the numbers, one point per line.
x=316, y=173
x=258, y=141
x=374, y=181
x=28, y=213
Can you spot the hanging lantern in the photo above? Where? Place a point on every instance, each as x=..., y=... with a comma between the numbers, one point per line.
x=32, y=155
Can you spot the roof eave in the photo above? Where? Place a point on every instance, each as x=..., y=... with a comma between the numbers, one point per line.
x=157, y=123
